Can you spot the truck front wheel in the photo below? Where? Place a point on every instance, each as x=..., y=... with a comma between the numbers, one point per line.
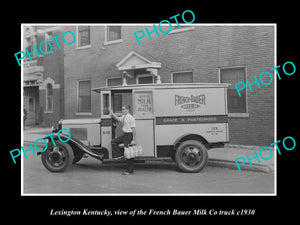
x=57, y=158
x=191, y=156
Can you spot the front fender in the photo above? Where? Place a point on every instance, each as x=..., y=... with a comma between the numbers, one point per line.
x=73, y=142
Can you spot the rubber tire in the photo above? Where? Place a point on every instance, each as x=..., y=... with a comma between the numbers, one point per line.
x=203, y=152
x=69, y=157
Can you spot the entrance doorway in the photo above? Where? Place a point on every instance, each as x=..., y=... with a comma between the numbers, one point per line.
x=120, y=98
x=31, y=104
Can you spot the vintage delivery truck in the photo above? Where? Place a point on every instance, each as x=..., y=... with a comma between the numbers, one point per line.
x=180, y=121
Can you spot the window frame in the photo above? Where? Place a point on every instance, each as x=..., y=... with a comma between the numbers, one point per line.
x=47, y=37
x=47, y=95
x=181, y=71
x=142, y=76
x=108, y=42
x=243, y=114
x=77, y=39
x=112, y=78
x=88, y=113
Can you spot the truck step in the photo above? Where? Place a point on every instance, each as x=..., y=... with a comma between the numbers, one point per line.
x=112, y=161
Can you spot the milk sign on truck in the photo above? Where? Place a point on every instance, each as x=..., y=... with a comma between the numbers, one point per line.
x=180, y=121
x=143, y=103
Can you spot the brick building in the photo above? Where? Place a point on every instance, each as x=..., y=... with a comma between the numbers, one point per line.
x=43, y=81
x=104, y=54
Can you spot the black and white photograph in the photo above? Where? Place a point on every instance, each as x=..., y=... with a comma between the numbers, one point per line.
x=175, y=114
x=167, y=97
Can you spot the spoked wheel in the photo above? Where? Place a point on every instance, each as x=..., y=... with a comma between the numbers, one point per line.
x=191, y=156
x=57, y=158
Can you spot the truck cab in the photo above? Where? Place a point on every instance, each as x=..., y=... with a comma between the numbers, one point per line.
x=181, y=121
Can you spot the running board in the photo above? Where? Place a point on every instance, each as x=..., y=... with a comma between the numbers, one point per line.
x=113, y=161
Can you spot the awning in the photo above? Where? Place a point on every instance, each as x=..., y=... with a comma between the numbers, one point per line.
x=135, y=61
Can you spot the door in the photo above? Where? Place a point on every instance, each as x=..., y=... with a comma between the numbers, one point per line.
x=145, y=136
x=31, y=104
x=143, y=114
x=106, y=122
x=120, y=98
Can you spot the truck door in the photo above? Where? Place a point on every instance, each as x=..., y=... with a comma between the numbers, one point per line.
x=106, y=122
x=144, y=116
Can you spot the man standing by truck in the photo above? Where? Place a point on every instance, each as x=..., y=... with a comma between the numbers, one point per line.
x=129, y=136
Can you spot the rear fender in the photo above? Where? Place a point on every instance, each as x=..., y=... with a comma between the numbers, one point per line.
x=73, y=142
x=195, y=137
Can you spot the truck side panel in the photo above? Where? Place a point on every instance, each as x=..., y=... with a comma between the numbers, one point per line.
x=183, y=111
x=190, y=102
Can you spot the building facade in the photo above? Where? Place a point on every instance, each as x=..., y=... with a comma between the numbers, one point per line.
x=105, y=55
x=43, y=81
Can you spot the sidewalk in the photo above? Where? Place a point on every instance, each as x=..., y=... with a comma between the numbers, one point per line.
x=30, y=134
x=218, y=157
x=225, y=157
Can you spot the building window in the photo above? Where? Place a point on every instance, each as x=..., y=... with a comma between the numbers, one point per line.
x=46, y=47
x=84, y=36
x=236, y=103
x=84, y=96
x=49, y=98
x=182, y=77
x=113, y=33
x=145, y=79
x=114, y=81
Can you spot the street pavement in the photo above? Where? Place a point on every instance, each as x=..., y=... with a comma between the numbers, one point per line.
x=90, y=176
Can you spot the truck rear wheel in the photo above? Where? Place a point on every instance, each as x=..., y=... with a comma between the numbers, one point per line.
x=191, y=156
x=57, y=158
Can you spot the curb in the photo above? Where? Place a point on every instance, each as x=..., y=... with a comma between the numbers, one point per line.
x=32, y=143
x=245, y=167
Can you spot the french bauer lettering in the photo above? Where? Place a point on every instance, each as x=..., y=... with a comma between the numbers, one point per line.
x=198, y=99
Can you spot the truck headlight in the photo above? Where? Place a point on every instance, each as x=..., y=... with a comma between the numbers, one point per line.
x=54, y=129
